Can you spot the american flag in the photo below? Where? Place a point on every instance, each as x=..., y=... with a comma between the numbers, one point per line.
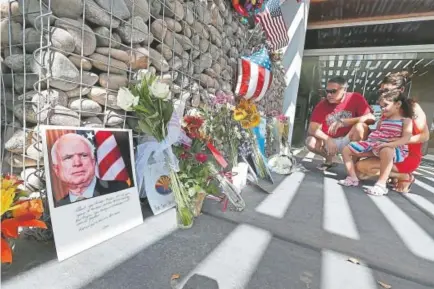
x=111, y=165
x=273, y=24
x=254, y=75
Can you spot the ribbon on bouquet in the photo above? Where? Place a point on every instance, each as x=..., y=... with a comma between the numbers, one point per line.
x=217, y=155
x=160, y=151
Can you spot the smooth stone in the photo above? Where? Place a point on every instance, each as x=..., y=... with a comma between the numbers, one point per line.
x=172, y=24
x=92, y=121
x=19, y=62
x=186, y=30
x=15, y=29
x=188, y=14
x=76, y=92
x=101, y=62
x=135, y=33
x=119, y=8
x=202, y=63
x=174, y=44
x=33, y=40
x=80, y=62
x=159, y=29
x=16, y=161
x=206, y=81
x=115, y=53
x=203, y=14
x=184, y=40
x=165, y=51
x=64, y=116
x=18, y=141
x=13, y=7
x=31, y=115
x=177, y=63
x=215, y=51
x=100, y=95
x=141, y=8
x=64, y=75
x=8, y=51
x=62, y=40
x=103, y=39
x=215, y=36
x=139, y=58
x=158, y=60
x=176, y=10
x=66, y=8
x=85, y=107
x=52, y=97
x=33, y=179
x=211, y=72
x=155, y=7
x=35, y=151
x=112, y=81
x=17, y=81
x=32, y=11
x=216, y=18
x=114, y=117
x=199, y=29
x=98, y=16
x=75, y=29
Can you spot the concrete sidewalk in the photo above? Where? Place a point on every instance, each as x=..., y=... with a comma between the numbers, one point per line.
x=301, y=236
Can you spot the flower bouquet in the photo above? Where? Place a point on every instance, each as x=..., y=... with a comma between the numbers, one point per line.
x=16, y=211
x=150, y=99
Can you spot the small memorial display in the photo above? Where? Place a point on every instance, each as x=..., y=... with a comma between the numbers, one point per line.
x=91, y=186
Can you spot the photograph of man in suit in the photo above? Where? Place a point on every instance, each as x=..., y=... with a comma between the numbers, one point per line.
x=74, y=164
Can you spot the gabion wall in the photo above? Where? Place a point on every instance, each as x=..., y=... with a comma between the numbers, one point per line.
x=62, y=62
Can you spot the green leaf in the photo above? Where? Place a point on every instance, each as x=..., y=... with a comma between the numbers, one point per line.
x=167, y=112
x=145, y=127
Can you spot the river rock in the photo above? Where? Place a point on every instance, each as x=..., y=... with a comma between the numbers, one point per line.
x=216, y=18
x=112, y=81
x=92, y=121
x=171, y=41
x=15, y=29
x=84, y=106
x=74, y=28
x=188, y=14
x=139, y=58
x=11, y=7
x=165, y=51
x=135, y=33
x=65, y=76
x=119, y=9
x=172, y=24
x=33, y=178
x=159, y=29
x=64, y=116
x=113, y=117
x=16, y=161
x=98, y=16
x=158, y=60
x=155, y=7
x=33, y=40
x=140, y=8
x=103, y=39
x=17, y=81
x=62, y=39
x=19, y=62
x=101, y=62
x=114, y=53
x=184, y=40
x=52, y=97
x=202, y=63
x=176, y=10
x=206, y=81
x=12, y=50
x=186, y=30
x=214, y=51
x=66, y=8
x=35, y=151
x=199, y=29
x=76, y=92
x=18, y=141
x=32, y=10
x=215, y=36
x=203, y=14
x=78, y=61
x=31, y=115
x=100, y=95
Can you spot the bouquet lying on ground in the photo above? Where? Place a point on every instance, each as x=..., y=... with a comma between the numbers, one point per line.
x=16, y=211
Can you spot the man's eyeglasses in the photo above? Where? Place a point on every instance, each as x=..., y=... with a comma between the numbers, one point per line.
x=331, y=91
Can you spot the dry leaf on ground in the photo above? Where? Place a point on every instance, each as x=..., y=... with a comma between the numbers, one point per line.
x=354, y=260
x=175, y=276
x=384, y=285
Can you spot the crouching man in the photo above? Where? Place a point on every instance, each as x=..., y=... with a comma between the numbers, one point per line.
x=337, y=120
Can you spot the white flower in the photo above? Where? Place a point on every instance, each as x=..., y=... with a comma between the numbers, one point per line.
x=126, y=100
x=143, y=74
x=160, y=90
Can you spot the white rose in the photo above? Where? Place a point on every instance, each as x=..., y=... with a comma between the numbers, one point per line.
x=143, y=74
x=126, y=100
x=160, y=90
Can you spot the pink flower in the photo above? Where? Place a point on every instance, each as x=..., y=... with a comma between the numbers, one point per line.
x=184, y=156
x=282, y=118
x=186, y=147
x=200, y=157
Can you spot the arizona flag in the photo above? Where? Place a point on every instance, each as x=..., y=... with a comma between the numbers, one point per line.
x=111, y=165
x=254, y=75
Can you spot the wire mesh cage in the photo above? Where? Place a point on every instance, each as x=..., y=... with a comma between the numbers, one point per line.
x=63, y=61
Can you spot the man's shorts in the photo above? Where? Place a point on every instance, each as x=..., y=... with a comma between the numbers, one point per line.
x=340, y=142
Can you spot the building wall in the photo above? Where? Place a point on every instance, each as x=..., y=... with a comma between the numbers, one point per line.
x=422, y=90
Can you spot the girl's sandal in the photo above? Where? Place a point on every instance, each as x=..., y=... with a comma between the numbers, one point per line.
x=410, y=180
x=325, y=166
x=349, y=182
x=377, y=190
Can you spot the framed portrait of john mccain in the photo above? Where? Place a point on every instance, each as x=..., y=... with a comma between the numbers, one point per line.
x=91, y=185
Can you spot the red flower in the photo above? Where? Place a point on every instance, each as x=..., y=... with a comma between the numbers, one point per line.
x=193, y=121
x=200, y=157
x=184, y=156
x=186, y=147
